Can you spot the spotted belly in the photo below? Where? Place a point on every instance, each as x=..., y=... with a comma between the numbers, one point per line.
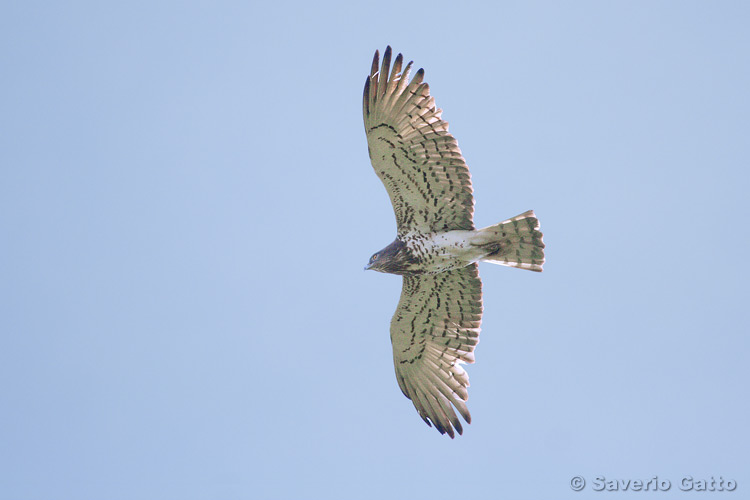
x=438, y=252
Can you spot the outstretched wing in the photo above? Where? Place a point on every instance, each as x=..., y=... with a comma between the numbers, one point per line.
x=435, y=328
x=413, y=153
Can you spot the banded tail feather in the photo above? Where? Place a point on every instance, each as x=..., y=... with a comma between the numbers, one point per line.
x=516, y=242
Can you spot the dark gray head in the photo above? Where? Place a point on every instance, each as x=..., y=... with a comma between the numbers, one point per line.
x=394, y=259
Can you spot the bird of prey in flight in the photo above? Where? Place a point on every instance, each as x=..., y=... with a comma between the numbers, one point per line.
x=436, y=250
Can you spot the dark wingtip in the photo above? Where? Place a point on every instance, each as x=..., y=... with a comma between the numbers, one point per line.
x=366, y=95
x=418, y=77
x=398, y=66
x=375, y=60
x=443, y=429
x=384, y=69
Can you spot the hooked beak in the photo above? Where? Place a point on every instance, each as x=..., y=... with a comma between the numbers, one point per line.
x=368, y=266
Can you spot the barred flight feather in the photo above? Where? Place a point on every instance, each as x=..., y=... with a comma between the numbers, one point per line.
x=447, y=331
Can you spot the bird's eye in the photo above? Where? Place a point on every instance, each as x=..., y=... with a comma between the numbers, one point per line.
x=374, y=257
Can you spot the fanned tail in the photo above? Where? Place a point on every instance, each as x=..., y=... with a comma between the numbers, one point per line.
x=516, y=242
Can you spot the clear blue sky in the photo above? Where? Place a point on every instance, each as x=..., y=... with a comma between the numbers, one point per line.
x=186, y=205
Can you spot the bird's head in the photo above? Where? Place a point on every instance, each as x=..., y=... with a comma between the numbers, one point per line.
x=392, y=259
x=374, y=263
